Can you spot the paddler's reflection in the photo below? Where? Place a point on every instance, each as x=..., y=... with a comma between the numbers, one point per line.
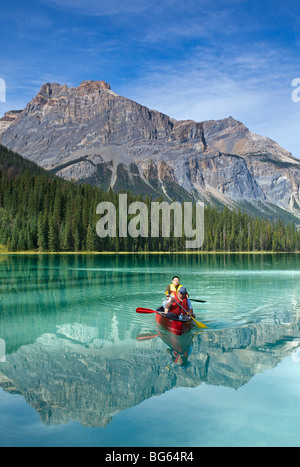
x=177, y=358
x=179, y=347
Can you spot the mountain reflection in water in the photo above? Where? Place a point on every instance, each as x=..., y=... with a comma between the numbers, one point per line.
x=71, y=358
x=73, y=374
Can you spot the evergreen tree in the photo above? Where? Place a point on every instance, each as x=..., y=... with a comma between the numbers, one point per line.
x=42, y=238
x=77, y=241
x=53, y=235
x=40, y=211
x=90, y=239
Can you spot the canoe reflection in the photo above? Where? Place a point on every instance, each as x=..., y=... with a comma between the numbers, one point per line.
x=179, y=347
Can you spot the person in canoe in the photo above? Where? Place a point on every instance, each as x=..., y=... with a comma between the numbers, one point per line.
x=174, y=287
x=178, y=304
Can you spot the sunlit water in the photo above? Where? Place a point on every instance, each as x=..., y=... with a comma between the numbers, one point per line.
x=79, y=366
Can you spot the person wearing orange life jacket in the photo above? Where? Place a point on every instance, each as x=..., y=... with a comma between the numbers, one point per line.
x=174, y=287
x=172, y=308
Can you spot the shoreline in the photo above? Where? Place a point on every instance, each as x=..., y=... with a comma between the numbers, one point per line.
x=86, y=253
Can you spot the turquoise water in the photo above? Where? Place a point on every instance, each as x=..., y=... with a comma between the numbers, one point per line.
x=79, y=367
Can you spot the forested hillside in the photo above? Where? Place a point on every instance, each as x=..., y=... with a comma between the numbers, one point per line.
x=41, y=212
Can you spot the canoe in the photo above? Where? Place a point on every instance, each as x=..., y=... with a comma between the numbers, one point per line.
x=176, y=326
x=179, y=344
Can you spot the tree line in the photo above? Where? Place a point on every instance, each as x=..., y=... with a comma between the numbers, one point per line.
x=42, y=212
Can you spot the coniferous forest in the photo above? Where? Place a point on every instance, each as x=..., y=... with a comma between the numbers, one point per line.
x=44, y=213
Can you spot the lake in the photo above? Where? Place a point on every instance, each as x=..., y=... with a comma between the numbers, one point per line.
x=79, y=366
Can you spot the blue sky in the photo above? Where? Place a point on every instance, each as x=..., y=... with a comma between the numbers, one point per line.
x=196, y=59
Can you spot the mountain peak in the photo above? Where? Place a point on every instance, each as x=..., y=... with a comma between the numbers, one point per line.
x=92, y=86
x=52, y=90
x=90, y=134
x=55, y=90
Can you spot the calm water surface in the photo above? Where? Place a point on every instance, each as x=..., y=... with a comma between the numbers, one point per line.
x=79, y=367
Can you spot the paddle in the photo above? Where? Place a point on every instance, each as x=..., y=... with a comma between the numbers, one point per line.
x=146, y=336
x=147, y=310
x=193, y=300
x=198, y=324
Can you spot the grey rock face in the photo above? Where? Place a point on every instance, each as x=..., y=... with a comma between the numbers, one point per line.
x=91, y=134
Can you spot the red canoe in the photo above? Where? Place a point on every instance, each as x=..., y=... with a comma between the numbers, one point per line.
x=177, y=326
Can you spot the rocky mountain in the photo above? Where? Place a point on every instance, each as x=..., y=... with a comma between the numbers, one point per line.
x=8, y=118
x=91, y=134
